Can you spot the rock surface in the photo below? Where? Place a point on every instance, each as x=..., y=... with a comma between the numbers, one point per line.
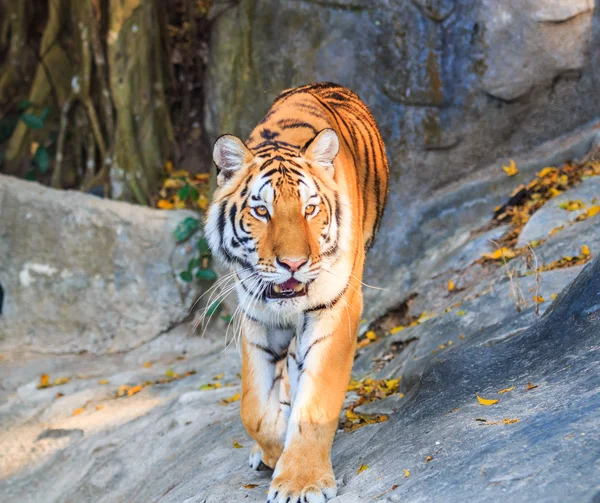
x=82, y=274
x=173, y=439
x=455, y=86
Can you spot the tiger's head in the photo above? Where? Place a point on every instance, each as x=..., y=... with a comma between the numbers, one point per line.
x=275, y=217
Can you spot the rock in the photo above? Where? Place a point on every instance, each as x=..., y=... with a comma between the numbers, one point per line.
x=80, y=273
x=455, y=86
x=551, y=216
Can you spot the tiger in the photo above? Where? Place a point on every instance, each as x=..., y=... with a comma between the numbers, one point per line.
x=295, y=211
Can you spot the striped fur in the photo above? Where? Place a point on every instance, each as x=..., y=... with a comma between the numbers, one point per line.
x=299, y=203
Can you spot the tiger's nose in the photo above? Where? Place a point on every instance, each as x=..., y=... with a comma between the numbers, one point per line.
x=293, y=264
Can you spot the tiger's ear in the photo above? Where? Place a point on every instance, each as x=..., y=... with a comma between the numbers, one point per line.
x=323, y=148
x=230, y=154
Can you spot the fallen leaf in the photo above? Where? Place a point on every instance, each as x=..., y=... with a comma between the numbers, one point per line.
x=148, y=365
x=44, y=381
x=249, y=486
x=397, y=329
x=362, y=469
x=59, y=395
x=510, y=421
x=237, y=445
x=511, y=169
x=485, y=401
x=99, y=407
x=506, y=390
x=134, y=390
x=538, y=299
x=531, y=386
x=217, y=377
x=231, y=399
x=163, y=204
x=406, y=473
x=546, y=172
x=169, y=166
x=169, y=373
x=585, y=251
x=61, y=380
x=103, y=381
x=76, y=412
x=461, y=336
x=372, y=336
x=572, y=205
x=593, y=211
x=123, y=389
x=451, y=285
x=210, y=386
x=499, y=253
x=362, y=343
x=460, y=313
x=553, y=296
x=428, y=459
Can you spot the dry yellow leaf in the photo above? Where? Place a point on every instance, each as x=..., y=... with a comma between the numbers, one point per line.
x=44, y=381
x=99, y=407
x=531, y=386
x=231, y=399
x=163, y=204
x=134, y=390
x=546, y=172
x=76, y=412
x=460, y=313
x=362, y=468
x=237, y=445
x=510, y=421
x=103, y=381
x=59, y=395
x=397, y=329
x=499, y=253
x=406, y=473
x=249, y=486
x=217, y=377
x=585, y=251
x=451, y=285
x=428, y=459
x=506, y=390
x=123, y=389
x=485, y=401
x=553, y=296
x=593, y=211
x=169, y=373
x=461, y=336
x=511, y=169
x=362, y=343
x=538, y=299
x=61, y=380
x=372, y=336
x=169, y=166
x=148, y=365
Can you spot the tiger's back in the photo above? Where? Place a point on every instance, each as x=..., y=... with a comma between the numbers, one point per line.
x=297, y=115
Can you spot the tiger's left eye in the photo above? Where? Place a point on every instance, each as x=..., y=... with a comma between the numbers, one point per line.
x=261, y=210
x=310, y=209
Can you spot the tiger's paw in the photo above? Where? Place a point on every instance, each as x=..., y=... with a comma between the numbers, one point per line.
x=303, y=483
x=259, y=461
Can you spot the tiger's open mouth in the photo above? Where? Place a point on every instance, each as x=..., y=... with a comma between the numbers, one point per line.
x=288, y=290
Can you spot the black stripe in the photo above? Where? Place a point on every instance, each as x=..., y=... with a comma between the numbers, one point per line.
x=329, y=305
x=275, y=357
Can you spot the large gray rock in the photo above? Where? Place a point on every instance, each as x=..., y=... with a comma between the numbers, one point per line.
x=80, y=273
x=455, y=86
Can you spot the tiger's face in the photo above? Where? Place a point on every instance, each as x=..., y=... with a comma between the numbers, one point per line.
x=275, y=218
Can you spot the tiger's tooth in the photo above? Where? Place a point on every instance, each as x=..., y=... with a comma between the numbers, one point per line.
x=298, y=287
x=276, y=288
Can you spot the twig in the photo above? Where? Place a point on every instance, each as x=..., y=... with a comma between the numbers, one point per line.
x=64, y=116
x=537, y=280
x=516, y=291
x=48, y=76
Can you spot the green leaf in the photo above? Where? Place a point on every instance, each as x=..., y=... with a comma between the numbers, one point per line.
x=32, y=121
x=192, y=264
x=31, y=175
x=186, y=276
x=44, y=114
x=194, y=194
x=185, y=229
x=184, y=192
x=23, y=105
x=206, y=275
x=214, y=307
x=203, y=247
x=42, y=159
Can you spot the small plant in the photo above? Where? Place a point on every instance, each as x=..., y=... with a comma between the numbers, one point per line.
x=198, y=267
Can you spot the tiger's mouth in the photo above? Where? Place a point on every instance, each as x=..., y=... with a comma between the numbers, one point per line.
x=287, y=290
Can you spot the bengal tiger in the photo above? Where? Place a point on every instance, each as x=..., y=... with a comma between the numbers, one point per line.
x=296, y=209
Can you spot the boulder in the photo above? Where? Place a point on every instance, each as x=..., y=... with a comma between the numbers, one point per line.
x=456, y=86
x=79, y=273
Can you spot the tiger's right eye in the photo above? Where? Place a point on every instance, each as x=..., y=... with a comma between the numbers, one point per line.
x=261, y=211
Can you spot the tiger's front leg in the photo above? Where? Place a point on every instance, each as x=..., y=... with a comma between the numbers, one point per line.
x=263, y=372
x=324, y=356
